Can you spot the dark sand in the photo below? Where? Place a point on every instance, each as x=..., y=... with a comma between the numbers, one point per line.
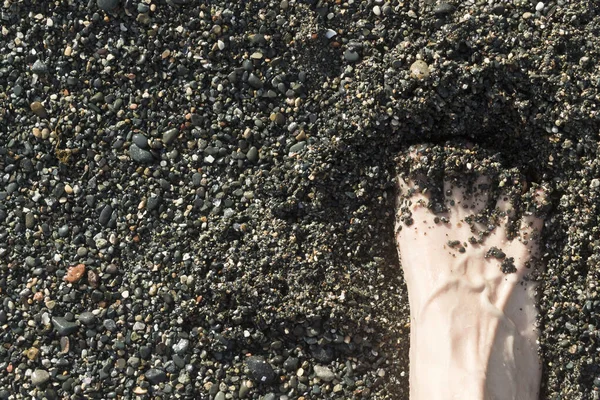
x=224, y=172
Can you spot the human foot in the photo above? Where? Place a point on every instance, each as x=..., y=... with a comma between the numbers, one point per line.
x=469, y=255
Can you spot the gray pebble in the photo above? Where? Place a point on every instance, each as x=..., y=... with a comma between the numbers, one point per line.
x=260, y=370
x=140, y=155
x=252, y=154
x=39, y=377
x=443, y=9
x=87, y=318
x=182, y=346
x=155, y=376
x=170, y=135
x=351, y=55
x=140, y=141
x=107, y=5
x=64, y=327
x=255, y=81
x=297, y=147
x=110, y=325
x=105, y=214
x=39, y=68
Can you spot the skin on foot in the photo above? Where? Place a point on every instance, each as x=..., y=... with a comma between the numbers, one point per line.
x=469, y=253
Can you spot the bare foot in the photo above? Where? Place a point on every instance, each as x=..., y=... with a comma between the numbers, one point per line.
x=469, y=270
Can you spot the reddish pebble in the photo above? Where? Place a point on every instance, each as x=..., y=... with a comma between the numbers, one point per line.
x=75, y=273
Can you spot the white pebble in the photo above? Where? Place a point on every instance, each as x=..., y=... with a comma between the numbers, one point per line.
x=539, y=6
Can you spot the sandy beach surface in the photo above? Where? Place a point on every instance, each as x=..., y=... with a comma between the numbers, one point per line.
x=197, y=197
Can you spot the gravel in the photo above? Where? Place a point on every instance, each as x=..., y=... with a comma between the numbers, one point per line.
x=143, y=154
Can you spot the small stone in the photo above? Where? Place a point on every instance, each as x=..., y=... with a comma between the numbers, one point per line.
x=110, y=325
x=220, y=396
x=252, y=154
x=140, y=155
x=29, y=220
x=324, y=373
x=278, y=118
x=64, y=327
x=539, y=6
x=182, y=346
x=38, y=109
x=170, y=135
x=377, y=11
x=39, y=68
x=197, y=119
x=419, y=69
x=97, y=98
x=140, y=141
x=155, y=376
x=105, y=214
x=93, y=278
x=291, y=363
x=75, y=273
x=39, y=377
x=297, y=147
x=443, y=9
x=260, y=370
x=351, y=55
x=153, y=202
x=107, y=5
x=255, y=81
x=32, y=353
x=87, y=318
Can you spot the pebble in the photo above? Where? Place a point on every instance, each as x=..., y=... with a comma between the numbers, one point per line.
x=296, y=148
x=105, y=214
x=140, y=155
x=351, y=55
x=260, y=370
x=255, y=81
x=170, y=135
x=182, y=346
x=252, y=154
x=419, y=69
x=324, y=373
x=63, y=326
x=539, y=6
x=140, y=141
x=39, y=110
x=39, y=68
x=40, y=377
x=75, y=273
x=110, y=325
x=87, y=318
x=107, y=5
x=443, y=9
x=155, y=376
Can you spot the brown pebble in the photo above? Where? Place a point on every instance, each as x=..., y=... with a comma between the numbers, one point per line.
x=75, y=273
x=38, y=109
x=32, y=353
x=37, y=132
x=64, y=344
